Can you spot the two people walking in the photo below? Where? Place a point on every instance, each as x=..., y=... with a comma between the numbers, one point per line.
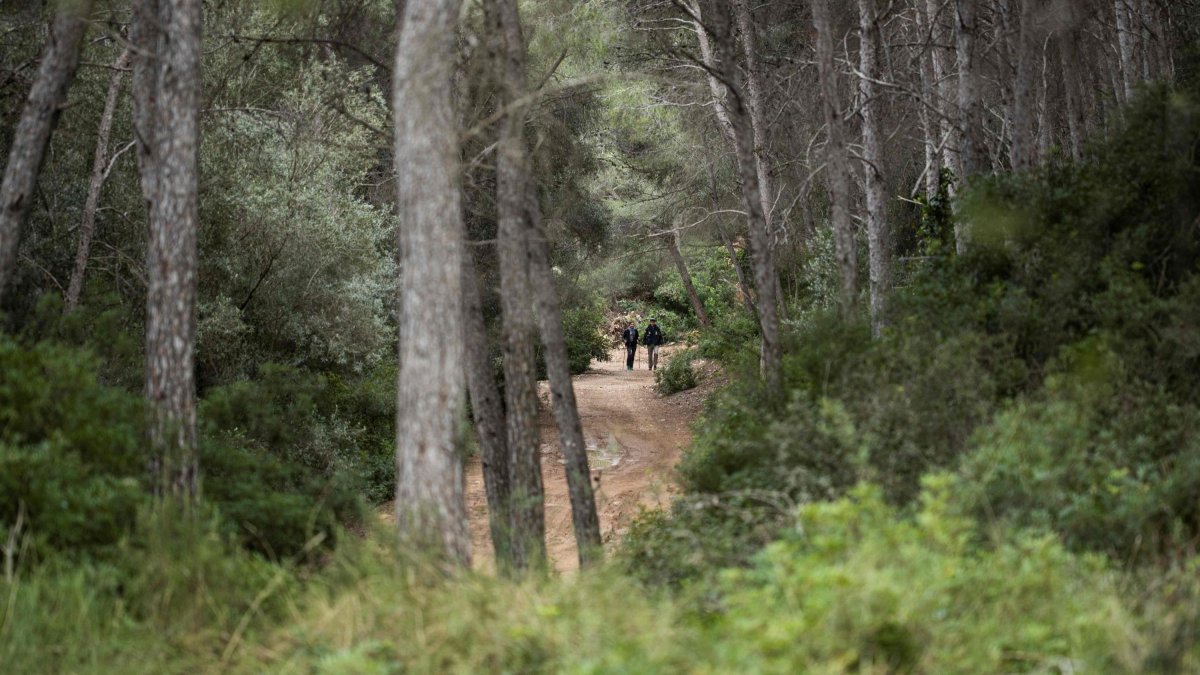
x=653, y=339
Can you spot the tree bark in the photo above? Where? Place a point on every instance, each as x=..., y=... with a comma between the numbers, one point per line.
x=878, y=236
x=143, y=35
x=488, y=414
x=743, y=285
x=430, y=507
x=1024, y=109
x=950, y=136
x=518, y=202
x=930, y=107
x=87, y=227
x=1125, y=49
x=709, y=60
x=519, y=328
x=686, y=277
x=837, y=165
x=971, y=120
x=47, y=97
x=972, y=146
x=1072, y=88
x=762, y=256
x=755, y=108
x=171, y=252
x=584, y=516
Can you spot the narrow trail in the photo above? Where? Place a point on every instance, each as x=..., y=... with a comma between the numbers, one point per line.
x=634, y=440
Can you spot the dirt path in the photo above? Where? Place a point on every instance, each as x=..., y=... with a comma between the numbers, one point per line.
x=634, y=440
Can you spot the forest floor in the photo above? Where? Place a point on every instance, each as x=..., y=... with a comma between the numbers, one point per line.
x=634, y=438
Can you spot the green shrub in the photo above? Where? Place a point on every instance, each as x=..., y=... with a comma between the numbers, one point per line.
x=73, y=459
x=1111, y=465
x=857, y=587
x=583, y=328
x=678, y=374
x=173, y=597
x=333, y=426
x=270, y=505
x=733, y=336
x=72, y=463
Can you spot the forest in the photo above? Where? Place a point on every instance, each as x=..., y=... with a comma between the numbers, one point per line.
x=312, y=317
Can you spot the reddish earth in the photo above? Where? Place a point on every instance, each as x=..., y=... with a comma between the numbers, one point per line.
x=634, y=438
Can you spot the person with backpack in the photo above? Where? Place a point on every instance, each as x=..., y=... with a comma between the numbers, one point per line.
x=630, y=338
x=653, y=340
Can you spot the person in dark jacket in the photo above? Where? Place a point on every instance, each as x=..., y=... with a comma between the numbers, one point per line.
x=630, y=338
x=652, y=340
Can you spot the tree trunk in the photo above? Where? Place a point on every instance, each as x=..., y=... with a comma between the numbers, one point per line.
x=686, y=278
x=171, y=252
x=39, y=116
x=754, y=106
x=1024, y=109
x=950, y=136
x=743, y=285
x=488, y=414
x=878, y=236
x=972, y=147
x=562, y=392
x=519, y=328
x=718, y=89
x=143, y=35
x=837, y=164
x=87, y=227
x=757, y=122
x=430, y=507
x=930, y=107
x=525, y=212
x=1125, y=48
x=971, y=121
x=1072, y=88
x=762, y=257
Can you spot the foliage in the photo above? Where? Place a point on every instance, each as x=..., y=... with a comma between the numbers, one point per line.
x=678, y=374
x=675, y=327
x=172, y=598
x=335, y=428
x=1110, y=465
x=855, y=586
x=74, y=460
x=731, y=337
x=1061, y=260
x=72, y=464
x=867, y=589
x=586, y=341
x=273, y=506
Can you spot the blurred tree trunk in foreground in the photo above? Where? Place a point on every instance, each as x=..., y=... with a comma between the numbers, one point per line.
x=430, y=506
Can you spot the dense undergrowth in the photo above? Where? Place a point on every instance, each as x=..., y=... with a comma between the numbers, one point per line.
x=1005, y=481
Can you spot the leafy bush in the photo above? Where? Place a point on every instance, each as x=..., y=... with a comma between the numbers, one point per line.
x=173, y=597
x=731, y=338
x=1113, y=466
x=678, y=374
x=270, y=505
x=338, y=428
x=73, y=459
x=857, y=587
x=713, y=277
x=72, y=464
x=586, y=342
x=1105, y=248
